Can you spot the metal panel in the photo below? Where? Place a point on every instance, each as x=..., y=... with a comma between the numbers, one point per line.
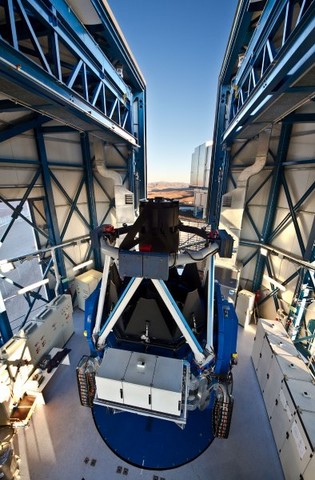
x=138, y=380
x=285, y=366
x=296, y=451
x=308, y=419
x=272, y=347
x=302, y=393
x=265, y=327
x=282, y=415
x=110, y=375
x=167, y=385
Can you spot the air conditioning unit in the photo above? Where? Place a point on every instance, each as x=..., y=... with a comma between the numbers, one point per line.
x=86, y=283
x=124, y=203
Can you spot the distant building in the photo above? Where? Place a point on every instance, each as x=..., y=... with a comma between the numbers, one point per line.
x=199, y=177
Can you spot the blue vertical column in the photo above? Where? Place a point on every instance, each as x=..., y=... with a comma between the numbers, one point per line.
x=53, y=228
x=304, y=288
x=219, y=162
x=5, y=327
x=89, y=185
x=283, y=147
x=140, y=154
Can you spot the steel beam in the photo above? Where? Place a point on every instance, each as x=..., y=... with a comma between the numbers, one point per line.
x=89, y=185
x=73, y=205
x=180, y=320
x=276, y=290
x=250, y=258
x=219, y=166
x=293, y=58
x=287, y=218
x=47, y=93
x=118, y=310
x=5, y=327
x=283, y=147
x=293, y=215
x=273, y=288
x=22, y=126
x=8, y=204
x=139, y=181
x=17, y=210
x=54, y=234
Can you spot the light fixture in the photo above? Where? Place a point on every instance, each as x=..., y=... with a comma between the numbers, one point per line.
x=275, y=283
x=6, y=266
x=264, y=251
x=265, y=100
x=82, y=265
x=33, y=286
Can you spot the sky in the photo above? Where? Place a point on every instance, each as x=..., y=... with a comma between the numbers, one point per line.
x=179, y=46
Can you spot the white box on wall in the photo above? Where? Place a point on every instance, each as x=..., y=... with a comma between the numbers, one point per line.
x=86, y=283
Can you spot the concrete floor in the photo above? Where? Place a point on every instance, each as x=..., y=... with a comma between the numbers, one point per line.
x=61, y=435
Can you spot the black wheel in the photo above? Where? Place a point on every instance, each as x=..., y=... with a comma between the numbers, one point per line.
x=221, y=417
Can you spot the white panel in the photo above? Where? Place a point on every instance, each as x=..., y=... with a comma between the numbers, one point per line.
x=309, y=473
x=302, y=144
x=21, y=147
x=63, y=148
x=167, y=385
x=110, y=375
x=69, y=180
x=272, y=386
x=138, y=380
x=296, y=452
x=63, y=308
x=282, y=416
x=303, y=394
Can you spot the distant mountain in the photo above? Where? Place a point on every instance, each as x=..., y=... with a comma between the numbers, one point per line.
x=166, y=185
x=172, y=190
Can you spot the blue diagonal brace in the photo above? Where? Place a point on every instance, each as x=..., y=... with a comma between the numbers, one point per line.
x=89, y=185
x=283, y=147
x=53, y=226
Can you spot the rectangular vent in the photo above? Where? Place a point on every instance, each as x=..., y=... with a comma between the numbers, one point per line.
x=129, y=199
x=226, y=201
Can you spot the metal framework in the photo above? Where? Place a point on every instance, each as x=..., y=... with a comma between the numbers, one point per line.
x=58, y=77
x=266, y=79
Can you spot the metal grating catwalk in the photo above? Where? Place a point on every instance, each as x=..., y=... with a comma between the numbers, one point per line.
x=62, y=442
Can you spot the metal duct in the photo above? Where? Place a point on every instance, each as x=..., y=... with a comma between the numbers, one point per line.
x=100, y=165
x=233, y=202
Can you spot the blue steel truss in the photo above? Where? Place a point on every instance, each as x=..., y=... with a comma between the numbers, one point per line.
x=282, y=46
x=262, y=62
x=267, y=73
x=46, y=51
x=53, y=67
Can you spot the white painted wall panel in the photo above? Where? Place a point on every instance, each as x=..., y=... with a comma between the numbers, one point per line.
x=64, y=148
x=22, y=147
